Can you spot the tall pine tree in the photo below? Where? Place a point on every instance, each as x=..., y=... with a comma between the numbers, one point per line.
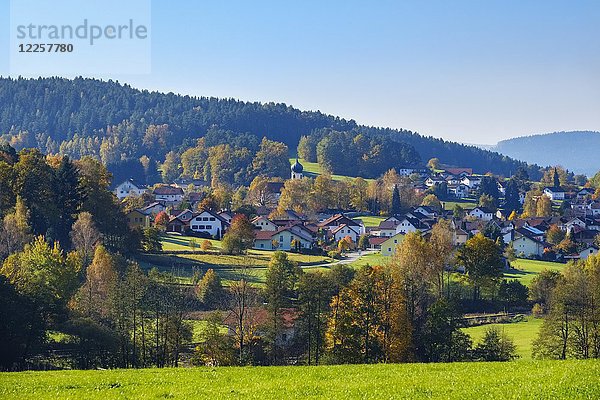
x=396, y=206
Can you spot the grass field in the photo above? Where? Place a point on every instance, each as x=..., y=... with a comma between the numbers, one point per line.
x=183, y=243
x=449, y=205
x=227, y=266
x=371, y=259
x=526, y=270
x=522, y=333
x=370, y=220
x=315, y=169
x=523, y=380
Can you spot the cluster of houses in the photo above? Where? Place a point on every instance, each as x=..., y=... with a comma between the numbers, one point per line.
x=527, y=236
x=293, y=231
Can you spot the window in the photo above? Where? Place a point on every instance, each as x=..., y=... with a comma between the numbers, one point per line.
x=195, y=227
x=204, y=218
x=212, y=218
x=389, y=249
x=262, y=245
x=281, y=238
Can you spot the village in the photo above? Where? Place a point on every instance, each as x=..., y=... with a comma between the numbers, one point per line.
x=569, y=229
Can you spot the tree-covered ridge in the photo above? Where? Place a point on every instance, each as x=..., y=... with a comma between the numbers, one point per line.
x=575, y=150
x=131, y=129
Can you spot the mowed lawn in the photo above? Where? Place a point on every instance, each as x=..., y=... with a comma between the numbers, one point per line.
x=523, y=380
x=370, y=220
x=449, y=205
x=526, y=270
x=522, y=333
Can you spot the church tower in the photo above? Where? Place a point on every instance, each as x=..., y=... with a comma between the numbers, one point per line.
x=297, y=169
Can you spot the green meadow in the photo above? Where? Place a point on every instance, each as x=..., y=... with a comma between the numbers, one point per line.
x=526, y=270
x=512, y=380
x=522, y=333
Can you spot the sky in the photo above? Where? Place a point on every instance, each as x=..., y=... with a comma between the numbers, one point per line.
x=467, y=71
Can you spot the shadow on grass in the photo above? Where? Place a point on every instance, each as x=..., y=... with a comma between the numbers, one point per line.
x=517, y=273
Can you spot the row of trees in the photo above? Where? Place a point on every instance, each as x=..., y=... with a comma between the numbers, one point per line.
x=570, y=301
x=401, y=312
x=310, y=195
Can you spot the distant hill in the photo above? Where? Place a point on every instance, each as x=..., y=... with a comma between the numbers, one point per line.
x=120, y=124
x=578, y=150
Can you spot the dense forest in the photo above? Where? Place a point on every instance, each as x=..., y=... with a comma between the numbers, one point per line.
x=132, y=131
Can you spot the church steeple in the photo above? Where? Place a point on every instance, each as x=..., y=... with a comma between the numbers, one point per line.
x=297, y=170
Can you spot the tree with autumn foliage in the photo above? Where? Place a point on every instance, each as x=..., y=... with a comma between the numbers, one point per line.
x=239, y=236
x=161, y=220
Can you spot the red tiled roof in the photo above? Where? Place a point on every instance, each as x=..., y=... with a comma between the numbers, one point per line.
x=376, y=241
x=264, y=235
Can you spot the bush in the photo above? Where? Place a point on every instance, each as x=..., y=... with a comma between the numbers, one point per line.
x=206, y=245
x=495, y=346
x=537, y=310
x=334, y=254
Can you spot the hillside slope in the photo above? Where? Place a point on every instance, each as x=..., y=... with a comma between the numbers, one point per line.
x=111, y=121
x=577, y=150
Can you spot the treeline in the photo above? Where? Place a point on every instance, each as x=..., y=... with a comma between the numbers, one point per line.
x=54, y=213
x=108, y=313
x=356, y=153
x=44, y=195
x=404, y=311
x=570, y=304
x=133, y=130
x=368, y=151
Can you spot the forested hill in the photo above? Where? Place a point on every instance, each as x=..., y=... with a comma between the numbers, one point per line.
x=577, y=150
x=120, y=124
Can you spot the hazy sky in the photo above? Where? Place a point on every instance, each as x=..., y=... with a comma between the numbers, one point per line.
x=470, y=71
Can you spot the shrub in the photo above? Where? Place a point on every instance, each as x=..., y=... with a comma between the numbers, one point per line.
x=495, y=346
x=206, y=245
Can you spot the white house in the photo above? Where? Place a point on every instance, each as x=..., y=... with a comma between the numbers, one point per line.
x=387, y=227
x=344, y=230
x=574, y=222
x=527, y=245
x=555, y=193
x=168, y=194
x=209, y=223
x=129, y=188
x=336, y=220
x=459, y=191
x=434, y=181
x=408, y=224
x=264, y=224
x=471, y=181
x=482, y=213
